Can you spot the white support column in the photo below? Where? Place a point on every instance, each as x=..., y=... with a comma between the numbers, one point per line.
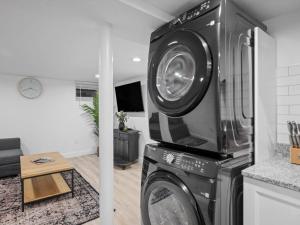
x=106, y=126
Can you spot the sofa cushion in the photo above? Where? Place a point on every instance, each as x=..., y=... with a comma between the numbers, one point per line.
x=10, y=156
x=10, y=143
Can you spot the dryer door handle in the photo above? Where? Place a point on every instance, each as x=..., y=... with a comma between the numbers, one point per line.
x=246, y=57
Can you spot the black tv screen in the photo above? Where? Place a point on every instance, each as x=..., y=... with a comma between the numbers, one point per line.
x=129, y=97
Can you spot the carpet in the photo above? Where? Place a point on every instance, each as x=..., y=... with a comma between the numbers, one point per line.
x=61, y=210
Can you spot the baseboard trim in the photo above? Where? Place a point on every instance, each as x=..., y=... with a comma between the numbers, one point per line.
x=140, y=160
x=79, y=153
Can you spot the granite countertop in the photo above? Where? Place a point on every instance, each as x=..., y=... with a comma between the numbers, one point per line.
x=277, y=171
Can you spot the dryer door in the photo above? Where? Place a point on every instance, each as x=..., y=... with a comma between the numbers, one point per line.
x=167, y=201
x=179, y=72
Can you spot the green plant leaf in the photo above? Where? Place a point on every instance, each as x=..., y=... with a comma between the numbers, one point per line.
x=93, y=112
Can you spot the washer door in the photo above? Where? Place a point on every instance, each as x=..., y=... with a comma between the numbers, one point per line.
x=179, y=72
x=167, y=201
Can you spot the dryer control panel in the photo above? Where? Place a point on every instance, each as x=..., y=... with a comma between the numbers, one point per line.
x=196, y=12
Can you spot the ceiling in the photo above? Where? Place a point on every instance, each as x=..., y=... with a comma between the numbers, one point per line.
x=60, y=38
x=124, y=51
x=261, y=10
x=267, y=9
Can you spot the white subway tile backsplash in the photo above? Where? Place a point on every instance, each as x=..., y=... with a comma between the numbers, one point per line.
x=294, y=70
x=282, y=90
x=294, y=90
x=282, y=71
x=290, y=80
x=282, y=129
x=288, y=99
x=283, y=138
x=295, y=110
x=283, y=110
x=282, y=119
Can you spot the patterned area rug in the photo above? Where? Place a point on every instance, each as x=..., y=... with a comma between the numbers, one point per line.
x=61, y=210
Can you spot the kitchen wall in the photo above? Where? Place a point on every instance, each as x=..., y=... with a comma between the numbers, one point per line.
x=288, y=99
x=138, y=121
x=52, y=122
x=287, y=36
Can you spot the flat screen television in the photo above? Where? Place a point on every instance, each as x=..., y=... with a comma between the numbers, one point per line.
x=129, y=97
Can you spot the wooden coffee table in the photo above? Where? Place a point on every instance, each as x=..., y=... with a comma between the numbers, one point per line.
x=43, y=181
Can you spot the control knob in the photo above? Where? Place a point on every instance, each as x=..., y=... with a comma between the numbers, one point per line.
x=170, y=158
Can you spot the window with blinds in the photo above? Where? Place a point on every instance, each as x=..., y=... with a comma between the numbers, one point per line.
x=86, y=90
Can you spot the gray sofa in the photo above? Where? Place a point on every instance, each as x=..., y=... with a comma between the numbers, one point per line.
x=10, y=152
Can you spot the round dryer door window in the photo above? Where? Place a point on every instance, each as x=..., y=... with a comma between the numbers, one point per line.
x=179, y=72
x=175, y=73
x=166, y=202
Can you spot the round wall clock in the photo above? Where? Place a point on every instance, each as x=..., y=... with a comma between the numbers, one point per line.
x=30, y=87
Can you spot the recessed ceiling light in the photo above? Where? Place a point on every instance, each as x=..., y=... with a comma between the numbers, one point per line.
x=97, y=75
x=136, y=59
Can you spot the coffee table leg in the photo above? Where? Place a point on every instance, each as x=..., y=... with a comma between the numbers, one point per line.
x=72, y=183
x=22, y=190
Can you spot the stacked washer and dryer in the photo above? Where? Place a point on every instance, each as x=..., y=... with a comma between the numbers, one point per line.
x=200, y=109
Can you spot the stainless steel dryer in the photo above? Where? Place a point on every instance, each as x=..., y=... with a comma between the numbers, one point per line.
x=200, y=79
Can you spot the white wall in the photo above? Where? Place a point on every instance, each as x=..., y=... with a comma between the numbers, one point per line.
x=288, y=99
x=138, y=121
x=52, y=122
x=286, y=31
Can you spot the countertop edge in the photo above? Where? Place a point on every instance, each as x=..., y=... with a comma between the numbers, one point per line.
x=271, y=181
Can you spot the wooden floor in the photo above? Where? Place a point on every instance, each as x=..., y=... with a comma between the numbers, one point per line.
x=126, y=188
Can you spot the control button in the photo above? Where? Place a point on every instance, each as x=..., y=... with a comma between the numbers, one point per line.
x=170, y=158
x=177, y=21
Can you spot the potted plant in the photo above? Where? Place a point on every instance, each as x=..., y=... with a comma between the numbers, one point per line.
x=93, y=112
x=122, y=118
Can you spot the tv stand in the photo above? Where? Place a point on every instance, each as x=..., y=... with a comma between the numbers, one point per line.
x=126, y=147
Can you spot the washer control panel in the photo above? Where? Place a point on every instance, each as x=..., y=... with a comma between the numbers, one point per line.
x=190, y=164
